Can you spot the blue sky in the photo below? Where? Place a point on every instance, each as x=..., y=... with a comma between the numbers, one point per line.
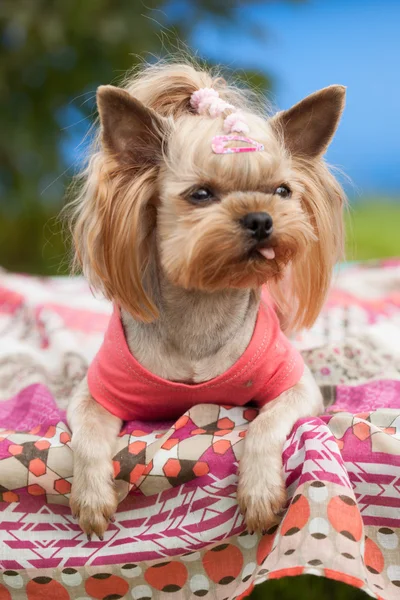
x=305, y=46
x=313, y=44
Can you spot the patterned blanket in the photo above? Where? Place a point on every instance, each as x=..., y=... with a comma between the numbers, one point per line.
x=178, y=531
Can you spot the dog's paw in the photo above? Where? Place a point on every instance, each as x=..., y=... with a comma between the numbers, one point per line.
x=261, y=492
x=262, y=505
x=94, y=510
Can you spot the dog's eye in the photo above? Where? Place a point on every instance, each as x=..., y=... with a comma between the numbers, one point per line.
x=201, y=195
x=283, y=191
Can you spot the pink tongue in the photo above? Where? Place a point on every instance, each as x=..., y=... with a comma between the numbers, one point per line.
x=267, y=252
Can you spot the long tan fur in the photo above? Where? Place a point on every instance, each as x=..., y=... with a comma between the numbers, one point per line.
x=126, y=206
x=188, y=274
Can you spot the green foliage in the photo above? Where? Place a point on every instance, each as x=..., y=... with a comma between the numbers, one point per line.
x=32, y=242
x=54, y=54
x=55, y=51
x=306, y=587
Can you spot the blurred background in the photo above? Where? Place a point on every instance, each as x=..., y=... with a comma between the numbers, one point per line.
x=54, y=53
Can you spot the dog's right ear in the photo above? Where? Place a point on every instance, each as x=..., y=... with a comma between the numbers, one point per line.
x=131, y=132
x=308, y=127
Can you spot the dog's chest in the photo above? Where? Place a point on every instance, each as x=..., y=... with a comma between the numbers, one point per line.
x=175, y=367
x=195, y=359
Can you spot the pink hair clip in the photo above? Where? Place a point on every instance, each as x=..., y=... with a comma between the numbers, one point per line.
x=219, y=144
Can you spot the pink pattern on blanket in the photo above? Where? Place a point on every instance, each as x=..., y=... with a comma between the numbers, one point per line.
x=178, y=523
x=196, y=451
x=384, y=393
x=31, y=408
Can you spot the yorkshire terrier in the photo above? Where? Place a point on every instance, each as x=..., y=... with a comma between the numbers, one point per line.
x=212, y=227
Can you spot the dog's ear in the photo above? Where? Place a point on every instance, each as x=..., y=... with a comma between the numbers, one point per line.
x=131, y=132
x=308, y=127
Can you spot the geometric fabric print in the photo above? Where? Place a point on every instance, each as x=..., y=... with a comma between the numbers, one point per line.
x=178, y=530
x=13, y=476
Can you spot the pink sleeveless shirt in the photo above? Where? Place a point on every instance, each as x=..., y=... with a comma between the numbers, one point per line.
x=269, y=366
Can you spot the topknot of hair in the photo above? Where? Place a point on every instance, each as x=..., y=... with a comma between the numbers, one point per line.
x=168, y=87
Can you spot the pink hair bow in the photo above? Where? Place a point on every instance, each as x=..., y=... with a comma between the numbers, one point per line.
x=206, y=101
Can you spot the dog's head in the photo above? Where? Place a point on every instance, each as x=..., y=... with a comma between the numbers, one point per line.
x=212, y=221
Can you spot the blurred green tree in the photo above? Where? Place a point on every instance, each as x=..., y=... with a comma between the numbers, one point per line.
x=53, y=56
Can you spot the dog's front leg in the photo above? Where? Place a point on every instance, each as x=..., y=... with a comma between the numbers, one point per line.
x=94, y=432
x=262, y=491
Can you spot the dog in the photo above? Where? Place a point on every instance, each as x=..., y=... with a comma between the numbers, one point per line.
x=213, y=227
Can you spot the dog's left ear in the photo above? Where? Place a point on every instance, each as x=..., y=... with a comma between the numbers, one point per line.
x=308, y=127
x=130, y=131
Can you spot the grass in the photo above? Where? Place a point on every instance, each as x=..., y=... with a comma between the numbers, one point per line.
x=373, y=231
x=306, y=587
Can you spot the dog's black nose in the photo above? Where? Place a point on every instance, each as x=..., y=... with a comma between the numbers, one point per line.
x=259, y=225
